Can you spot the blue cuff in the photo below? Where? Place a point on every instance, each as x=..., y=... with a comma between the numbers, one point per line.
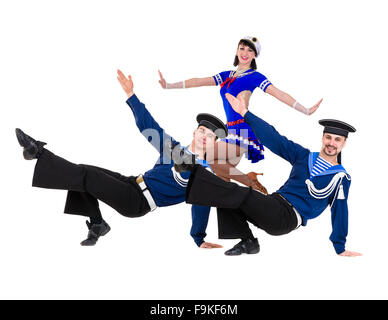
x=248, y=116
x=198, y=242
x=133, y=100
x=339, y=248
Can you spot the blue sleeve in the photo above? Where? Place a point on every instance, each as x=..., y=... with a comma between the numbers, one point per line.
x=147, y=125
x=261, y=81
x=339, y=220
x=200, y=218
x=277, y=143
x=221, y=77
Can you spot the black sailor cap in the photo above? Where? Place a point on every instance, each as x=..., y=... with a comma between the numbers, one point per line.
x=213, y=123
x=336, y=127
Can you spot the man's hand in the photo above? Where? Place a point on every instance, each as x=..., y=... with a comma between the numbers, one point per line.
x=208, y=245
x=238, y=104
x=126, y=83
x=347, y=253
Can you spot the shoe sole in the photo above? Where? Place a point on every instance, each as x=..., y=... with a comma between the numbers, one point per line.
x=239, y=254
x=87, y=244
x=232, y=255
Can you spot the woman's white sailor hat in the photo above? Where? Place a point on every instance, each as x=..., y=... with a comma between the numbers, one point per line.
x=255, y=42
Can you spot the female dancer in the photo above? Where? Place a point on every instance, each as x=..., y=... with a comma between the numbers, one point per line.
x=241, y=139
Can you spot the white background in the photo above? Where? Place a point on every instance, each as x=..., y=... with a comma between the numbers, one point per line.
x=58, y=83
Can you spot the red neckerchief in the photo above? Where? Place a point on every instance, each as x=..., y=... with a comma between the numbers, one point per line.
x=230, y=80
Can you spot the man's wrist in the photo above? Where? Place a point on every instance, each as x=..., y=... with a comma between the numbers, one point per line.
x=199, y=242
x=244, y=112
x=130, y=94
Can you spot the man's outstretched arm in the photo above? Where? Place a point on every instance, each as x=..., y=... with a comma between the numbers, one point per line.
x=144, y=120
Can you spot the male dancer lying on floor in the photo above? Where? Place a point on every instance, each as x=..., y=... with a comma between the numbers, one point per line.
x=317, y=180
x=132, y=196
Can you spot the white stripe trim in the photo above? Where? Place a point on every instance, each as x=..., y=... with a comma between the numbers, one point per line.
x=150, y=200
x=323, y=165
x=325, y=192
x=298, y=218
x=320, y=166
x=178, y=178
x=264, y=84
x=320, y=159
x=242, y=74
x=218, y=79
x=245, y=141
x=147, y=195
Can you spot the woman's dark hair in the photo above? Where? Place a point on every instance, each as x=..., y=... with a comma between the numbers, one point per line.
x=250, y=45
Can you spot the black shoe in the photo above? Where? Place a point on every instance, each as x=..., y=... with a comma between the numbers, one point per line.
x=183, y=160
x=31, y=147
x=249, y=246
x=95, y=231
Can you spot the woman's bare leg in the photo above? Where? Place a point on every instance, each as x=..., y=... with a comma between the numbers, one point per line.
x=227, y=171
x=225, y=158
x=225, y=151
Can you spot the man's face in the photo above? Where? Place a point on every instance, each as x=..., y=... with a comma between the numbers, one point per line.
x=332, y=144
x=204, y=137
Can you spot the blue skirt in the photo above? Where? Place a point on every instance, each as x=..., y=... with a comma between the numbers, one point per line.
x=243, y=136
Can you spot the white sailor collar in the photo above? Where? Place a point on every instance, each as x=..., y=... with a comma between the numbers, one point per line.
x=332, y=170
x=245, y=73
x=335, y=185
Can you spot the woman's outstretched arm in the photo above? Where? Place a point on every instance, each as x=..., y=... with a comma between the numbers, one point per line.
x=290, y=101
x=190, y=83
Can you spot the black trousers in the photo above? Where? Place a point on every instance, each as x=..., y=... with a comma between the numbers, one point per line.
x=239, y=205
x=86, y=184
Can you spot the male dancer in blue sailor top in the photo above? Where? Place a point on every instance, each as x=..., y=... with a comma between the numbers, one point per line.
x=241, y=139
x=316, y=181
x=130, y=196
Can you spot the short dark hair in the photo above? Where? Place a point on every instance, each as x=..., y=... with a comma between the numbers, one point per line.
x=250, y=45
